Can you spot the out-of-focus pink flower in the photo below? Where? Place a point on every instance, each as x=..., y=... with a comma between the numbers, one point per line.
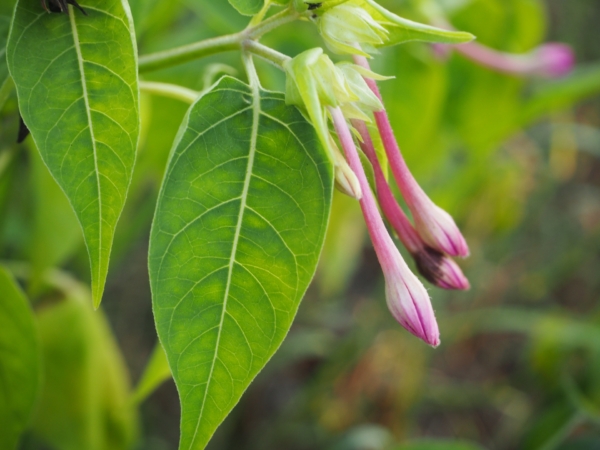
x=434, y=225
x=550, y=60
x=406, y=296
x=554, y=59
x=437, y=268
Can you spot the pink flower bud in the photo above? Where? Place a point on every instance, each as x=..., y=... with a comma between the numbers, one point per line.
x=440, y=270
x=436, y=267
x=554, y=59
x=434, y=225
x=406, y=296
x=548, y=60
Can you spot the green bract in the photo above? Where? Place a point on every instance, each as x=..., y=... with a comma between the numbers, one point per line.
x=238, y=230
x=341, y=30
x=367, y=100
x=347, y=24
x=77, y=85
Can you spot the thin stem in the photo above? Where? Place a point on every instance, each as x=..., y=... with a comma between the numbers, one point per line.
x=409, y=187
x=180, y=55
x=281, y=18
x=170, y=90
x=258, y=17
x=382, y=242
x=273, y=56
x=389, y=205
x=207, y=47
x=253, y=79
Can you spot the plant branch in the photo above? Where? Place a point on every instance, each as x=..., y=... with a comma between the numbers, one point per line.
x=267, y=53
x=170, y=90
x=183, y=54
x=207, y=47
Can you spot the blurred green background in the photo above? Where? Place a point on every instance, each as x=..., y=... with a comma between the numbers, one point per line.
x=516, y=161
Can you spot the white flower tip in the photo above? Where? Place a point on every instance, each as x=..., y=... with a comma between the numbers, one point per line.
x=347, y=182
x=437, y=228
x=410, y=305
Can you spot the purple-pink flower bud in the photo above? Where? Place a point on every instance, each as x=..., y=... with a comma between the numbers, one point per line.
x=436, y=267
x=550, y=60
x=554, y=59
x=406, y=296
x=440, y=269
x=434, y=225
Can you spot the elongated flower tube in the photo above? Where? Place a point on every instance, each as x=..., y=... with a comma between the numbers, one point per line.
x=406, y=296
x=550, y=60
x=434, y=225
x=437, y=268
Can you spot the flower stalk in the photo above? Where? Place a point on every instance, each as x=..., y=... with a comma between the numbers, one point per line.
x=434, y=225
x=437, y=268
x=406, y=296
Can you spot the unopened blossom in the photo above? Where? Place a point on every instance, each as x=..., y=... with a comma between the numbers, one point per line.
x=314, y=83
x=406, y=297
x=549, y=60
x=438, y=268
x=434, y=225
x=345, y=24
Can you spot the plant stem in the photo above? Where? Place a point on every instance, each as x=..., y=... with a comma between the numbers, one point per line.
x=180, y=55
x=170, y=90
x=273, y=56
x=207, y=47
x=281, y=18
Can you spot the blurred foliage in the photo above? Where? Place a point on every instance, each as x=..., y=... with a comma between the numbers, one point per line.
x=516, y=161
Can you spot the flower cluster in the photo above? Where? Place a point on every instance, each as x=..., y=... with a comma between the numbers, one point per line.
x=347, y=95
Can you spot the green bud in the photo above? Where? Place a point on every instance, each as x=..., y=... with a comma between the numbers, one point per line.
x=346, y=25
x=367, y=100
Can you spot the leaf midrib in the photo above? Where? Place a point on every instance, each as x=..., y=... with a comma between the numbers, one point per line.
x=91, y=128
x=248, y=177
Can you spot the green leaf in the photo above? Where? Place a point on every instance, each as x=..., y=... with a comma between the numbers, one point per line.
x=247, y=7
x=156, y=372
x=77, y=86
x=4, y=26
x=239, y=226
x=85, y=399
x=19, y=362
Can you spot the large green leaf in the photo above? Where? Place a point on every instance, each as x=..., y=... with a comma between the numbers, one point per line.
x=77, y=85
x=85, y=397
x=247, y=7
x=238, y=229
x=4, y=26
x=19, y=362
